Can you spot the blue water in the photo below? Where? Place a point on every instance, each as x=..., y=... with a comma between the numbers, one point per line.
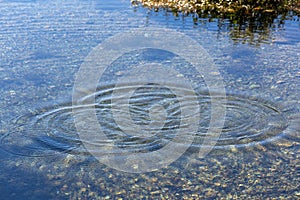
x=43, y=45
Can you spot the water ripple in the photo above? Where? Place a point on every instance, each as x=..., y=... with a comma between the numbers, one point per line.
x=249, y=121
x=49, y=131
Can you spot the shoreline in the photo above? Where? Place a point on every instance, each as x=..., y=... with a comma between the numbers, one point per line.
x=221, y=7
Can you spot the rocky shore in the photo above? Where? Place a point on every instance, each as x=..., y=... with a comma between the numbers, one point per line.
x=221, y=6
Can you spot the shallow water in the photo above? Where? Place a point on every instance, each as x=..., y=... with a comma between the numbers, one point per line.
x=43, y=155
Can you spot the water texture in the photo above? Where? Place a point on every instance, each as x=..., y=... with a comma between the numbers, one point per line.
x=43, y=45
x=249, y=121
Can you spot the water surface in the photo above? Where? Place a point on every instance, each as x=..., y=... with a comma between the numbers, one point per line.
x=42, y=156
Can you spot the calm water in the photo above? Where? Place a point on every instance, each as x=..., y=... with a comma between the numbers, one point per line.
x=43, y=44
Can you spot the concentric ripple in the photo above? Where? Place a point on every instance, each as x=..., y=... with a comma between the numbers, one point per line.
x=42, y=133
x=249, y=121
x=154, y=109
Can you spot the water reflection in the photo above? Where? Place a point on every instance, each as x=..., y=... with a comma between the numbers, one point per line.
x=249, y=22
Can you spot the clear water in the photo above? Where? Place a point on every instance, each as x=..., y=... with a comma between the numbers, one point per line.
x=43, y=45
